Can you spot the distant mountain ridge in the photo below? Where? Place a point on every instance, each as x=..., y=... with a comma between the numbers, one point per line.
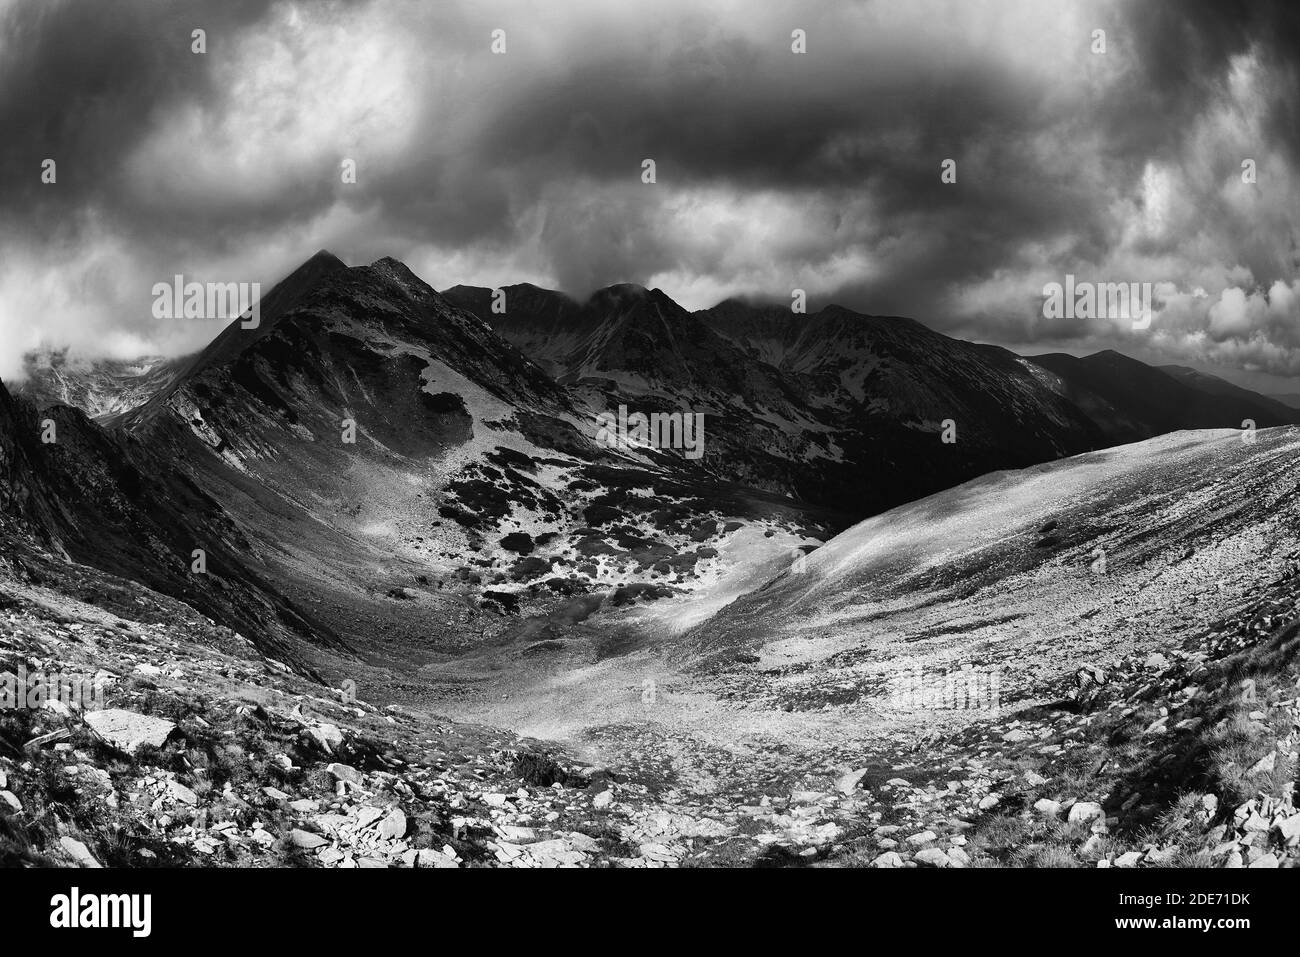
x=832, y=408
x=1213, y=385
x=1131, y=401
x=101, y=388
x=838, y=406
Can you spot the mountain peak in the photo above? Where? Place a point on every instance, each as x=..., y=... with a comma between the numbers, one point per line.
x=320, y=263
x=835, y=309
x=620, y=290
x=763, y=304
x=628, y=296
x=397, y=272
x=1108, y=354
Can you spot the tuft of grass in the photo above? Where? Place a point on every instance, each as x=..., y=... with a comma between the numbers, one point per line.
x=1047, y=855
x=539, y=769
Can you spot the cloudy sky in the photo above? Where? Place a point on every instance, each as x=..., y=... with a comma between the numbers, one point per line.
x=775, y=170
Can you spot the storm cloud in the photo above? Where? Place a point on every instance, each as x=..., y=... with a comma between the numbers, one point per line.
x=775, y=170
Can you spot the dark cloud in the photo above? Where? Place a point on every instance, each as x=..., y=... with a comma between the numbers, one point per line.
x=775, y=170
x=1185, y=50
x=82, y=83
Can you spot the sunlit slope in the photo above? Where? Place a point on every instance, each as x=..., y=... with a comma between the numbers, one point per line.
x=1035, y=570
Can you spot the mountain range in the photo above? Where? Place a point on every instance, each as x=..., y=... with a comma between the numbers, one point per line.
x=838, y=407
x=389, y=488
x=376, y=456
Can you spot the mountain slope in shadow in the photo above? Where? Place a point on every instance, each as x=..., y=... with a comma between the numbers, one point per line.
x=1130, y=400
x=835, y=408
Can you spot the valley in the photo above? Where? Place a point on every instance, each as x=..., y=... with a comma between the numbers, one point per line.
x=480, y=603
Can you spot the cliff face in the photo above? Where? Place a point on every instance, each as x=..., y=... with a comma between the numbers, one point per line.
x=24, y=506
x=104, y=499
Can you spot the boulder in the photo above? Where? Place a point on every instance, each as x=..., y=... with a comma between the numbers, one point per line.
x=78, y=852
x=128, y=731
x=306, y=839
x=848, y=783
x=346, y=773
x=932, y=857
x=1047, y=807
x=327, y=736
x=427, y=858
x=1290, y=828
x=181, y=793
x=394, y=825
x=1083, y=812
